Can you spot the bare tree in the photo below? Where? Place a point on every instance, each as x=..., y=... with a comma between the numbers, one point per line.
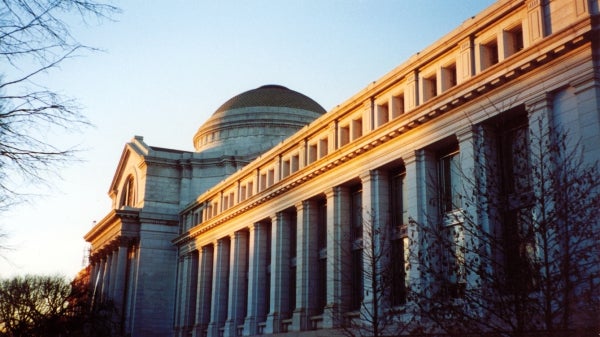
x=35, y=38
x=51, y=306
x=521, y=255
x=374, y=272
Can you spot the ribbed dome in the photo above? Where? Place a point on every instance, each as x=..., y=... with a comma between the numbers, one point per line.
x=272, y=95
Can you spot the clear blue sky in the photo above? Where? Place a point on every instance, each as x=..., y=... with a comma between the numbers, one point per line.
x=167, y=65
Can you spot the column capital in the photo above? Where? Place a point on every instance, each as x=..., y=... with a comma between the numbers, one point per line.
x=370, y=175
x=539, y=102
x=409, y=157
x=466, y=133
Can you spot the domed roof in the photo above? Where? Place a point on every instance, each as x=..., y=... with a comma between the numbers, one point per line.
x=274, y=96
x=254, y=121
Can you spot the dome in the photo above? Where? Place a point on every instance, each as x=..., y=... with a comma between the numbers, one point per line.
x=254, y=121
x=274, y=96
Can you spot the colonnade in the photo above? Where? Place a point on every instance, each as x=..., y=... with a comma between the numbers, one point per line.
x=109, y=272
x=302, y=267
x=286, y=272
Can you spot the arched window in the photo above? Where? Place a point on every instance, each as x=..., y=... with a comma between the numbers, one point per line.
x=128, y=193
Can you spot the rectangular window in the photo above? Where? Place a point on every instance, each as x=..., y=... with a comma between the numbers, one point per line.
x=489, y=54
x=429, y=87
x=322, y=224
x=448, y=75
x=399, y=244
x=312, y=153
x=356, y=213
x=242, y=193
x=513, y=40
x=356, y=128
x=518, y=233
x=267, y=294
x=250, y=189
x=382, y=114
x=344, y=135
x=321, y=292
x=453, y=260
x=356, y=296
x=323, y=147
x=293, y=218
x=271, y=177
x=285, y=168
x=225, y=202
x=321, y=286
x=397, y=105
x=356, y=227
x=295, y=164
x=263, y=181
x=449, y=179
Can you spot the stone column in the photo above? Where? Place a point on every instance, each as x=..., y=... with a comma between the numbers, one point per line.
x=204, y=293
x=338, y=252
x=306, y=265
x=97, y=281
x=113, y=270
x=376, y=233
x=120, y=274
x=218, y=312
x=257, y=274
x=182, y=294
x=280, y=268
x=587, y=91
x=93, y=262
x=106, y=276
x=237, y=282
x=413, y=188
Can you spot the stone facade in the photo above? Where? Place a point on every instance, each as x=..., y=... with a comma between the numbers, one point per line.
x=197, y=247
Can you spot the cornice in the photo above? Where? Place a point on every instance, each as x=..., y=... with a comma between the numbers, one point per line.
x=113, y=219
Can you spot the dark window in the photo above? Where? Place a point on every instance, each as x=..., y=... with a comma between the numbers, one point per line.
x=293, y=234
x=321, y=293
x=128, y=192
x=356, y=227
x=399, y=238
x=519, y=237
x=356, y=213
x=293, y=217
x=449, y=179
x=292, y=290
x=321, y=286
x=267, y=293
x=356, y=279
x=322, y=225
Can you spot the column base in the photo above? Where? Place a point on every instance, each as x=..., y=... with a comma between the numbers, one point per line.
x=250, y=327
x=230, y=329
x=273, y=323
x=299, y=320
x=199, y=330
x=213, y=330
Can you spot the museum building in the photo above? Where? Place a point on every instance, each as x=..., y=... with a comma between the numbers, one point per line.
x=263, y=228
